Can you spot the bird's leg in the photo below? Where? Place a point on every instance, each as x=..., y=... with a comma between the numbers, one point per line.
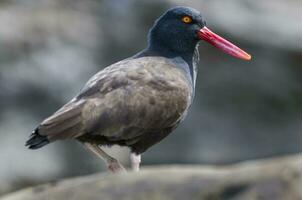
x=135, y=161
x=113, y=165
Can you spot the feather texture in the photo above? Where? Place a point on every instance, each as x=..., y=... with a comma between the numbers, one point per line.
x=135, y=102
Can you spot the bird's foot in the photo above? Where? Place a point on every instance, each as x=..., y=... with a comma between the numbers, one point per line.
x=115, y=167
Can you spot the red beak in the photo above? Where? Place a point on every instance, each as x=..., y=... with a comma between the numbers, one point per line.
x=226, y=46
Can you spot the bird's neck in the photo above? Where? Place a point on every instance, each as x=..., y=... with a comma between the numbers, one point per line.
x=185, y=53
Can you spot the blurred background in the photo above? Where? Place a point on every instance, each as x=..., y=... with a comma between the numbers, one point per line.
x=242, y=110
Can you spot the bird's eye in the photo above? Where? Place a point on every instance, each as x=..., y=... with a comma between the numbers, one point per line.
x=186, y=19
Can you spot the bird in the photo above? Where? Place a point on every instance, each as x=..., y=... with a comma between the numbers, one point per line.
x=140, y=100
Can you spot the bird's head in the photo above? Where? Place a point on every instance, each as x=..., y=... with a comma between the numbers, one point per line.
x=179, y=30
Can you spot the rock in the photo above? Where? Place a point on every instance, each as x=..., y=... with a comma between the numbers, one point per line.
x=278, y=178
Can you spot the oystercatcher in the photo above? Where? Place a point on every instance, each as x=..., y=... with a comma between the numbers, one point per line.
x=140, y=100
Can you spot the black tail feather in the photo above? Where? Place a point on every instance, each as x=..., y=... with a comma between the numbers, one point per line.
x=36, y=140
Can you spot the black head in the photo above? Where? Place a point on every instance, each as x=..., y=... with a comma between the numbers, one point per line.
x=176, y=30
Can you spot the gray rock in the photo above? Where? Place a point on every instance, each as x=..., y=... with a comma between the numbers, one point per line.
x=263, y=179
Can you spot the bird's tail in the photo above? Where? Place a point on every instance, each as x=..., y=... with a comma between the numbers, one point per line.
x=36, y=140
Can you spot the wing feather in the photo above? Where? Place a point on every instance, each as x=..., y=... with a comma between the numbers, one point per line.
x=122, y=101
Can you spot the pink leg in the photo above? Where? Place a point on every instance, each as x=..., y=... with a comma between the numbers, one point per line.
x=113, y=165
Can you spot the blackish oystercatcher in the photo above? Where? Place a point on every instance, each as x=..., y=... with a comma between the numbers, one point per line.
x=140, y=100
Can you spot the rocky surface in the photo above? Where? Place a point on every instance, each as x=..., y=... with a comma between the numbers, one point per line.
x=263, y=179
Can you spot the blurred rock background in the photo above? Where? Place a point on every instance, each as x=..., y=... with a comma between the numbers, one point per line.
x=50, y=48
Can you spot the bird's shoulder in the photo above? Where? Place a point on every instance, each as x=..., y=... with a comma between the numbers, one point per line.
x=157, y=72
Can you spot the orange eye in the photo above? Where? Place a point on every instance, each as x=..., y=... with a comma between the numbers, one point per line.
x=186, y=19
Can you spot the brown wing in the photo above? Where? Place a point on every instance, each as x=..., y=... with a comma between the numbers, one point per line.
x=123, y=101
